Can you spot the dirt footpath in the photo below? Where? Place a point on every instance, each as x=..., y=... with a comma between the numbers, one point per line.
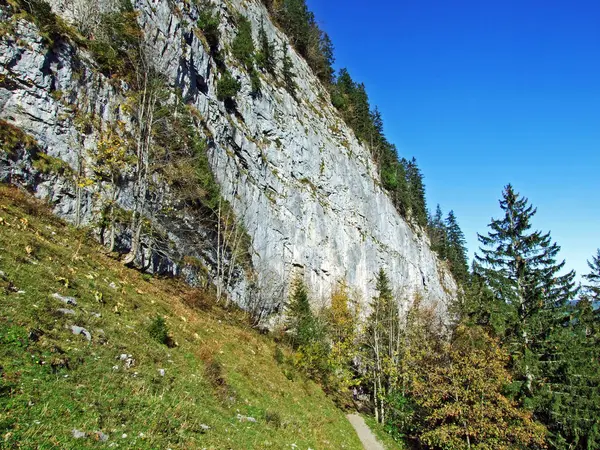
x=368, y=439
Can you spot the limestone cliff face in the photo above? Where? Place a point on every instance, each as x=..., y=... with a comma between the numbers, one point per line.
x=306, y=189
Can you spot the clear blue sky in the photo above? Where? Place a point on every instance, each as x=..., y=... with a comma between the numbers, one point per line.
x=485, y=93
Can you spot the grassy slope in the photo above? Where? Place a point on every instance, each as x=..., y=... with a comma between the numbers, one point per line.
x=52, y=381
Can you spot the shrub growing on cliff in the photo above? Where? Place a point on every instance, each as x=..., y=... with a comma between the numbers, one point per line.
x=265, y=59
x=243, y=45
x=227, y=87
x=243, y=50
x=255, y=82
x=208, y=22
x=181, y=158
x=116, y=46
x=13, y=138
x=51, y=26
x=288, y=75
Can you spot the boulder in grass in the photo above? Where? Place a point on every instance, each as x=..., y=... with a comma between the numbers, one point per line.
x=100, y=436
x=78, y=434
x=65, y=300
x=80, y=330
x=242, y=418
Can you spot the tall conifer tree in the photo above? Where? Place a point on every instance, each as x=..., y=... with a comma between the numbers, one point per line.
x=401, y=195
x=520, y=267
x=568, y=401
x=437, y=233
x=416, y=190
x=456, y=249
x=300, y=319
x=592, y=279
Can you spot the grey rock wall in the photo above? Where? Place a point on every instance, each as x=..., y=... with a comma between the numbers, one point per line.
x=46, y=92
x=306, y=189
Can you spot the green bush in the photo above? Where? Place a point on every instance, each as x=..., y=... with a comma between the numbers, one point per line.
x=401, y=420
x=273, y=418
x=50, y=165
x=208, y=23
x=265, y=59
x=12, y=139
x=255, y=80
x=116, y=50
x=14, y=336
x=313, y=360
x=159, y=331
x=288, y=74
x=51, y=26
x=227, y=87
x=243, y=45
x=279, y=356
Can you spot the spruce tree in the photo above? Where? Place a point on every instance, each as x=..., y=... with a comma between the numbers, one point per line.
x=360, y=112
x=344, y=83
x=592, y=279
x=300, y=25
x=480, y=306
x=437, y=233
x=416, y=190
x=288, y=75
x=571, y=400
x=325, y=69
x=295, y=18
x=520, y=267
x=300, y=319
x=456, y=249
x=385, y=311
x=377, y=141
x=266, y=55
x=568, y=401
x=401, y=195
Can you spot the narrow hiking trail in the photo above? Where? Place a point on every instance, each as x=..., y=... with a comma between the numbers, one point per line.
x=368, y=439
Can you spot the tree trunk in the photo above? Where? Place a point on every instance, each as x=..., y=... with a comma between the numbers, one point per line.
x=112, y=213
x=144, y=145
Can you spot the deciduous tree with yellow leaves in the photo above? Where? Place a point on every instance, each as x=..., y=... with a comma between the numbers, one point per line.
x=462, y=395
x=342, y=324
